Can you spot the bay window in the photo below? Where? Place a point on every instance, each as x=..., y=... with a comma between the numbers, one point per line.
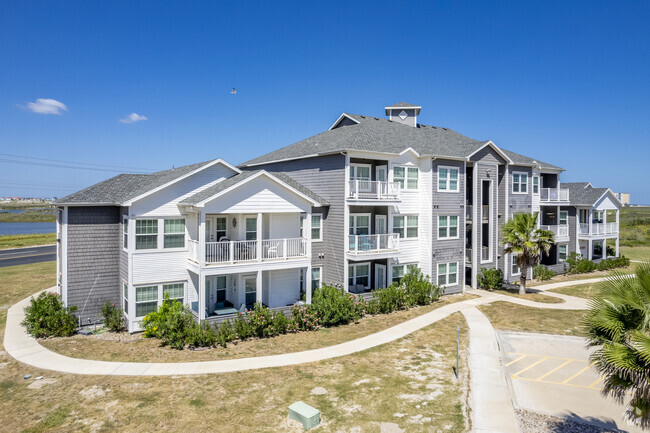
x=146, y=234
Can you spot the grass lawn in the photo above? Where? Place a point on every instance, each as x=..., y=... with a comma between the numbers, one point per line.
x=511, y=317
x=531, y=296
x=636, y=253
x=28, y=217
x=582, y=291
x=409, y=382
x=577, y=277
x=19, y=241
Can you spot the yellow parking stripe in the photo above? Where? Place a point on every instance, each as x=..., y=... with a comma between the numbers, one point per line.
x=576, y=375
x=573, y=385
x=516, y=360
x=555, y=369
x=531, y=366
x=596, y=383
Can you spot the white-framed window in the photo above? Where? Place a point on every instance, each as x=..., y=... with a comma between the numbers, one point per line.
x=564, y=217
x=359, y=274
x=251, y=228
x=125, y=297
x=400, y=270
x=176, y=291
x=316, y=277
x=359, y=224
x=407, y=177
x=513, y=263
x=448, y=274
x=316, y=227
x=406, y=226
x=221, y=228
x=146, y=234
x=125, y=232
x=598, y=216
x=535, y=184
x=562, y=252
x=447, y=226
x=146, y=300
x=360, y=171
x=174, y=233
x=519, y=183
x=448, y=179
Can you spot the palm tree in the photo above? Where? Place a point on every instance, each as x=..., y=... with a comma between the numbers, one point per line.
x=522, y=237
x=618, y=326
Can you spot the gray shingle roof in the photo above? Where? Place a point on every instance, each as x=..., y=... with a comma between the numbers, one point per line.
x=404, y=105
x=383, y=135
x=124, y=187
x=232, y=181
x=521, y=159
x=582, y=193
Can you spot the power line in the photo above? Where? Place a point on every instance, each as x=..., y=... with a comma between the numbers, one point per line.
x=78, y=163
x=43, y=164
x=12, y=183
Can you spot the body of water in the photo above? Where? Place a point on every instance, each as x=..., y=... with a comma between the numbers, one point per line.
x=26, y=228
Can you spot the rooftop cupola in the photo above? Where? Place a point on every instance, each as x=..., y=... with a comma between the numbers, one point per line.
x=403, y=112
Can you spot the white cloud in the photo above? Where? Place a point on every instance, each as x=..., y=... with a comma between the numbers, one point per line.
x=132, y=118
x=46, y=106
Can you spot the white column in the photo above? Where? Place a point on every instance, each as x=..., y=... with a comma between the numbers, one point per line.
x=604, y=248
x=617, y=254
x=590, y=249
x=201, y=296
x=258, y=245
x=201, y=248
x=258, y=287
x=307, y=281
x=306, y=232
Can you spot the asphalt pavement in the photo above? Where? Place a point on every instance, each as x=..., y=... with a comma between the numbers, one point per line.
x=23, y=256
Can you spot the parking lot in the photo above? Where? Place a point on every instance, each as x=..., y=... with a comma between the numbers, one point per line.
x=553, y=375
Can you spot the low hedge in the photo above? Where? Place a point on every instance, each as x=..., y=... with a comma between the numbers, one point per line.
x=46, y=316
x=582, y=265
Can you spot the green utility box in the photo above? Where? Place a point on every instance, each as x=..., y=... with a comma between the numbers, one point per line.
x=307, y=415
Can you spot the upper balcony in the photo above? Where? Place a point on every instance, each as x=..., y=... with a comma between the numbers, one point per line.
x=597, y=229
x=373, y=190
x=561, y=232
x=554, y=196
x=229, y=252
x=373, y=246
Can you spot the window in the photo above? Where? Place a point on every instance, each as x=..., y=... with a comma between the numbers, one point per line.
x=250, y=285
x=146, y=300
x=535, y=184
x=359, y=224
x=174, y=236
x=564, y=217
x=221, y=228
x=176, y=292
x=400, y=270
x=408, y=231
x=316, y=227
x=407, y=177
x=359, y=275
x=515, y=268
x=359, y=172
x=222, y=282
x=125, y=232
x=125, y=292
x=519, y=183
x=316, y=277
x=598, y=216
x=562, y=252
x=448, y=179
x=146, y=234
x=448, y=274
x=251, y=229
x=447, y=226
x=399, y=175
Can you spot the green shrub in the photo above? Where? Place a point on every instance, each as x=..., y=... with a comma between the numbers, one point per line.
x=226, y=333
x=280, y=322
x=334, y=306
x=46, y=316
x=391, y=298
x=202, y=335
x=260, y=319
x=542, y=273
x=172, y=323
x=490, y=279
x=113, y=317
x=419, y=289
x=618, y=262
x=373, y=306
x=303, y=318
x=579, y=265
x=243, y=329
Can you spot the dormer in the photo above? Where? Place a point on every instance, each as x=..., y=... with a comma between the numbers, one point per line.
x=403, y=112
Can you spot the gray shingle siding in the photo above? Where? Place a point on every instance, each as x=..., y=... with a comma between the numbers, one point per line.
x=326, y=177
x=94, y=255
x=573, y=226
x=520, y=202
x=501, y=217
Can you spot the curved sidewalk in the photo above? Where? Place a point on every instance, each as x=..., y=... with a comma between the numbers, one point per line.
x=24, y=348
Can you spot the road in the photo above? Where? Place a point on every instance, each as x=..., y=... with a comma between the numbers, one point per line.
x=552, y=374
x=23, y=256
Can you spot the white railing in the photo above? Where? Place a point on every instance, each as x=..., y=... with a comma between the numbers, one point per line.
x=371, y=189
x=246, y=251
x=598, y=229
x=560, y=231
x=282, y=249
x=485, y=212
x=193, y=250
x=554, y=195
x=373, y=243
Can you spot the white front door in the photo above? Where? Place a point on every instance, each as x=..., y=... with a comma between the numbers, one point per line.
x=382, y=173
x=380, y=276
x=381, y=224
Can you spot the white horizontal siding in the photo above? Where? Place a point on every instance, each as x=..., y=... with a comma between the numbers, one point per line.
x=285, y=226
x=283, y=287
x=160, y=266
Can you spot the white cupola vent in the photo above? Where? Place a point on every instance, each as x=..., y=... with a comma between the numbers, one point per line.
x=404, y=113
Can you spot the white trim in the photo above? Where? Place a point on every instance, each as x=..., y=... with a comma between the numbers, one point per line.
x=563, y=244
x=406, y=177
x=512, y=174
x=405, y=227
x=496, y=149
x=446, y=274
x=341, y=118
x=411, y=150
x=362, y=214
x=355, y=165
x=355, y=265
x=448, y=227
x=539, y=187
x=380, y=267
x=178, y=179
x=447, y=167
x=320, y=229
x=512, y=265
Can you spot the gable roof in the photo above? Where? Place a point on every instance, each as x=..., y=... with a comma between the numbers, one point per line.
x=374, y=134
x=242, y=177
x=584, y=194
x=125, y=187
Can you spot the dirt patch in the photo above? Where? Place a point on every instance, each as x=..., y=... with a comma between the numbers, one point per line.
x=92, y=392
x=38, y=384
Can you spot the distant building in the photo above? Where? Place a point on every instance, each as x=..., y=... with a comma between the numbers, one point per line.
x=623, y=197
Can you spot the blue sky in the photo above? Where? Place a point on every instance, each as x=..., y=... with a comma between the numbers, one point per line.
x=564, y=82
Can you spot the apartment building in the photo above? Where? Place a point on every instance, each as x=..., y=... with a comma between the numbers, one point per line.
x=355, y=205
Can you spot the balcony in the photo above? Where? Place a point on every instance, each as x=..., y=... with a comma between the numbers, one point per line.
x=485, y=212
x=560, y=231
x=554, y=195
x=468, y=256
x=373, y=244
x=373, y=190
x=236, y=252
x=598, y=229
x=485, y=254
